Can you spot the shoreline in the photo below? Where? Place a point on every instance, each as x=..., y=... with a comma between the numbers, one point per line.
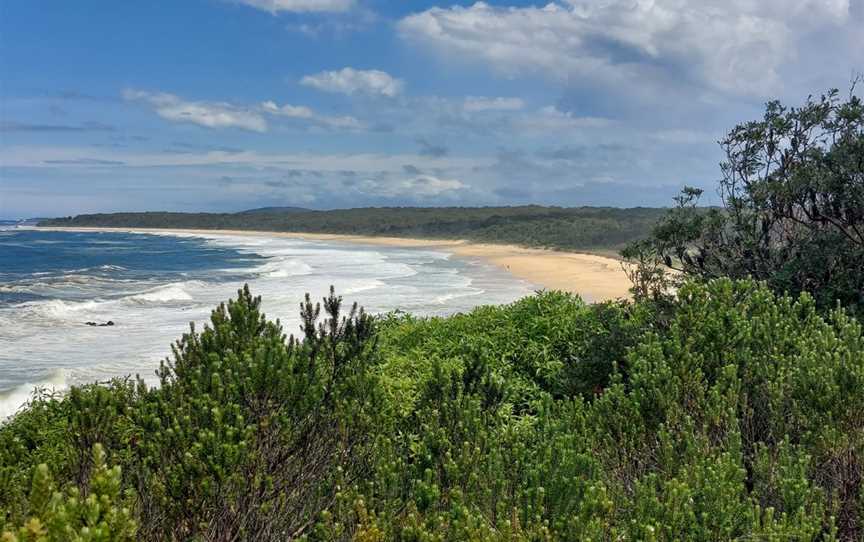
x=594, y=277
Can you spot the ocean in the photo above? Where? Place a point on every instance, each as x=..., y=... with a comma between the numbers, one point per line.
x=151, y=286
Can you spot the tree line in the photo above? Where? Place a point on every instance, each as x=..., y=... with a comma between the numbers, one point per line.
x=581, y=228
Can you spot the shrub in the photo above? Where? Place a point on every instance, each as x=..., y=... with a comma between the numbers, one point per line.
x=97, y=515
x=737, y=418
x=249, y=432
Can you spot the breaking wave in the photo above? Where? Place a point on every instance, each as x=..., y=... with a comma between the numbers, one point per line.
x=164, y=294
x=12, y=400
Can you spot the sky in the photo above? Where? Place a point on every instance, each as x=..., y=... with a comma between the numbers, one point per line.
x=225, y=105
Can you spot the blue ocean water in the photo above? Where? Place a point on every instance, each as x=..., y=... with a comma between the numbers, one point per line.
x=151, y=286
x=80, y=265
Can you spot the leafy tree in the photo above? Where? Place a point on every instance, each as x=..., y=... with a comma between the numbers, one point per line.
x=792, y=213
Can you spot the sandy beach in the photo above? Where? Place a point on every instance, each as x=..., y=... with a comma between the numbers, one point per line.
x=595, y=278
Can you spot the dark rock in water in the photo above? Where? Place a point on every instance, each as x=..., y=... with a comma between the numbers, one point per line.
x=106, y=324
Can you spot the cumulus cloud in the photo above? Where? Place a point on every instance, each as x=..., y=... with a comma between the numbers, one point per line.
x=207, y=114
x=350, y=81
x=225, y=115
x=277, y=6
x=302, y=112
x=736, y=47
x=478, y=103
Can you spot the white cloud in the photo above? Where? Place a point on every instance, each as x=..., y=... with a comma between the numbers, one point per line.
x=276, y=6
x=225, y=115
x=551, y=119
x=734, y=46
x=479, y=103
x=427, y=186
x=207, y=114
x=367, y=163
x=302, y=112
x=433, y=120
x=350, y=81
x=297, y=112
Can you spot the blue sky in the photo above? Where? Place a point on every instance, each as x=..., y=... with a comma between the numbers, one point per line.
x=223, y=105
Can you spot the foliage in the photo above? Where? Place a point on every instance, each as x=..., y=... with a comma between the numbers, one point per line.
x=580, y=228
x=793, y=208
x=717, y=431
x=740, y=417
x=249, y=432
x=98, y=515
x=548, y=344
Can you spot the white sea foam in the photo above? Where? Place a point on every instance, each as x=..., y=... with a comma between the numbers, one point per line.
x=42, y=284
x=53, y=337
x=277, y=268
x=14, y=399
x=441, y=299
x=57, y=309
x=163, y=294
x=107, y=267
x=362, y=287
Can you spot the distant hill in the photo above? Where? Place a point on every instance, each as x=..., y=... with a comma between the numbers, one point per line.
x=593, y=229
x=266, y=210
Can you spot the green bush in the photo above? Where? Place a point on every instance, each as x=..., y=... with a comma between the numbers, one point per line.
x=734, y=414
x=550, y=343
x=250, y=431
x=97, y=515
x=728, y=422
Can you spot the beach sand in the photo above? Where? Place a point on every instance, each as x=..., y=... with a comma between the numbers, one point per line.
x=594, y=277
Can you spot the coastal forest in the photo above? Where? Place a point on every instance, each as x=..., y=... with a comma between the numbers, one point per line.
x=723, y=401
x=583, y=228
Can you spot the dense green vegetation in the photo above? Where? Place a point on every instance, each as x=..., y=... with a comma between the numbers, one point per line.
x=711, y=407
x=793, y=213
x=738, y=416
x=583, y=228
